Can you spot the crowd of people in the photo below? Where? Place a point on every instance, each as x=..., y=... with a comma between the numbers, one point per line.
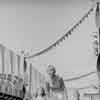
x=54, y=88
x=12, y=85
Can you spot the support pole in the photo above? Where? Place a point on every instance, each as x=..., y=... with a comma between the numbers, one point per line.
x=30, y=86
x=99, y=42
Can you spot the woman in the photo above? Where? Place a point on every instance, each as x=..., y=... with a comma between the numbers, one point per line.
x=55, y=87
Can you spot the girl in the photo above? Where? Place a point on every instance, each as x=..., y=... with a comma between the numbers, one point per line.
x=41, y=94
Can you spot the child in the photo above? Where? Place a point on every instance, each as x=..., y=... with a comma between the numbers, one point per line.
x=41, y=94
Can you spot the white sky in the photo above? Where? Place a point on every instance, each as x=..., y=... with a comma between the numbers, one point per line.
x=33, y=25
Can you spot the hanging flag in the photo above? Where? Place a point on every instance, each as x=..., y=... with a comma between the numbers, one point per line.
x=2, y=51
x=96, y=51
x=25, y=65
x=66, y=35
x=70, y=32
x=97, y=16
x=95, y=36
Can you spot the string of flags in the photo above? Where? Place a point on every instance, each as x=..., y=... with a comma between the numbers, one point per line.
x=89, y=86
x=79, y=77
x=62, y=38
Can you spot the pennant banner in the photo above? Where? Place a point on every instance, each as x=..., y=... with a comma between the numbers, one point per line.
x=63, y=37
x=82, y=76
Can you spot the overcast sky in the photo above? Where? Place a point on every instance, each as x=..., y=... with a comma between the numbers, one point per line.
x=33, y=25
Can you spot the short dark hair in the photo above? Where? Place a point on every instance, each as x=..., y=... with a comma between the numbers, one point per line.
x=43, y=93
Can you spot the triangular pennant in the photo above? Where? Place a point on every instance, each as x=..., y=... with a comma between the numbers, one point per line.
x=80, y=21
x=89, y=12
x=69, y=32
x=95, y=42
x=55, y=44
x=61, y=40
x=75, y=26
x=83, y=18
x=95, y=36
x=66, y=35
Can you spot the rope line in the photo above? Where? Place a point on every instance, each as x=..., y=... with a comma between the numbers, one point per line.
x=82, y=76
x=62, y=38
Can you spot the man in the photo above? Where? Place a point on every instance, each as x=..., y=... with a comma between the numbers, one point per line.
x=55, y=87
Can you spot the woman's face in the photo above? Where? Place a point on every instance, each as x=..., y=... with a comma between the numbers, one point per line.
x=51, y=73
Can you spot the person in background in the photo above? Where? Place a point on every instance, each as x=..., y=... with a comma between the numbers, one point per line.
x=20, y=87
x=8, y=85
x=24, y=90
x=2, y=83
x=41, y=94
x=55, y=87
x=15, y=89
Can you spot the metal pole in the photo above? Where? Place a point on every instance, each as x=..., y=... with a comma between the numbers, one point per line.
x=19, y=64
x=30, y=87
x=99, y=40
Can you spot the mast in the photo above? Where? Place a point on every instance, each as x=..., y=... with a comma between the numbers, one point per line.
x=98, y=59
x=99, y=40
